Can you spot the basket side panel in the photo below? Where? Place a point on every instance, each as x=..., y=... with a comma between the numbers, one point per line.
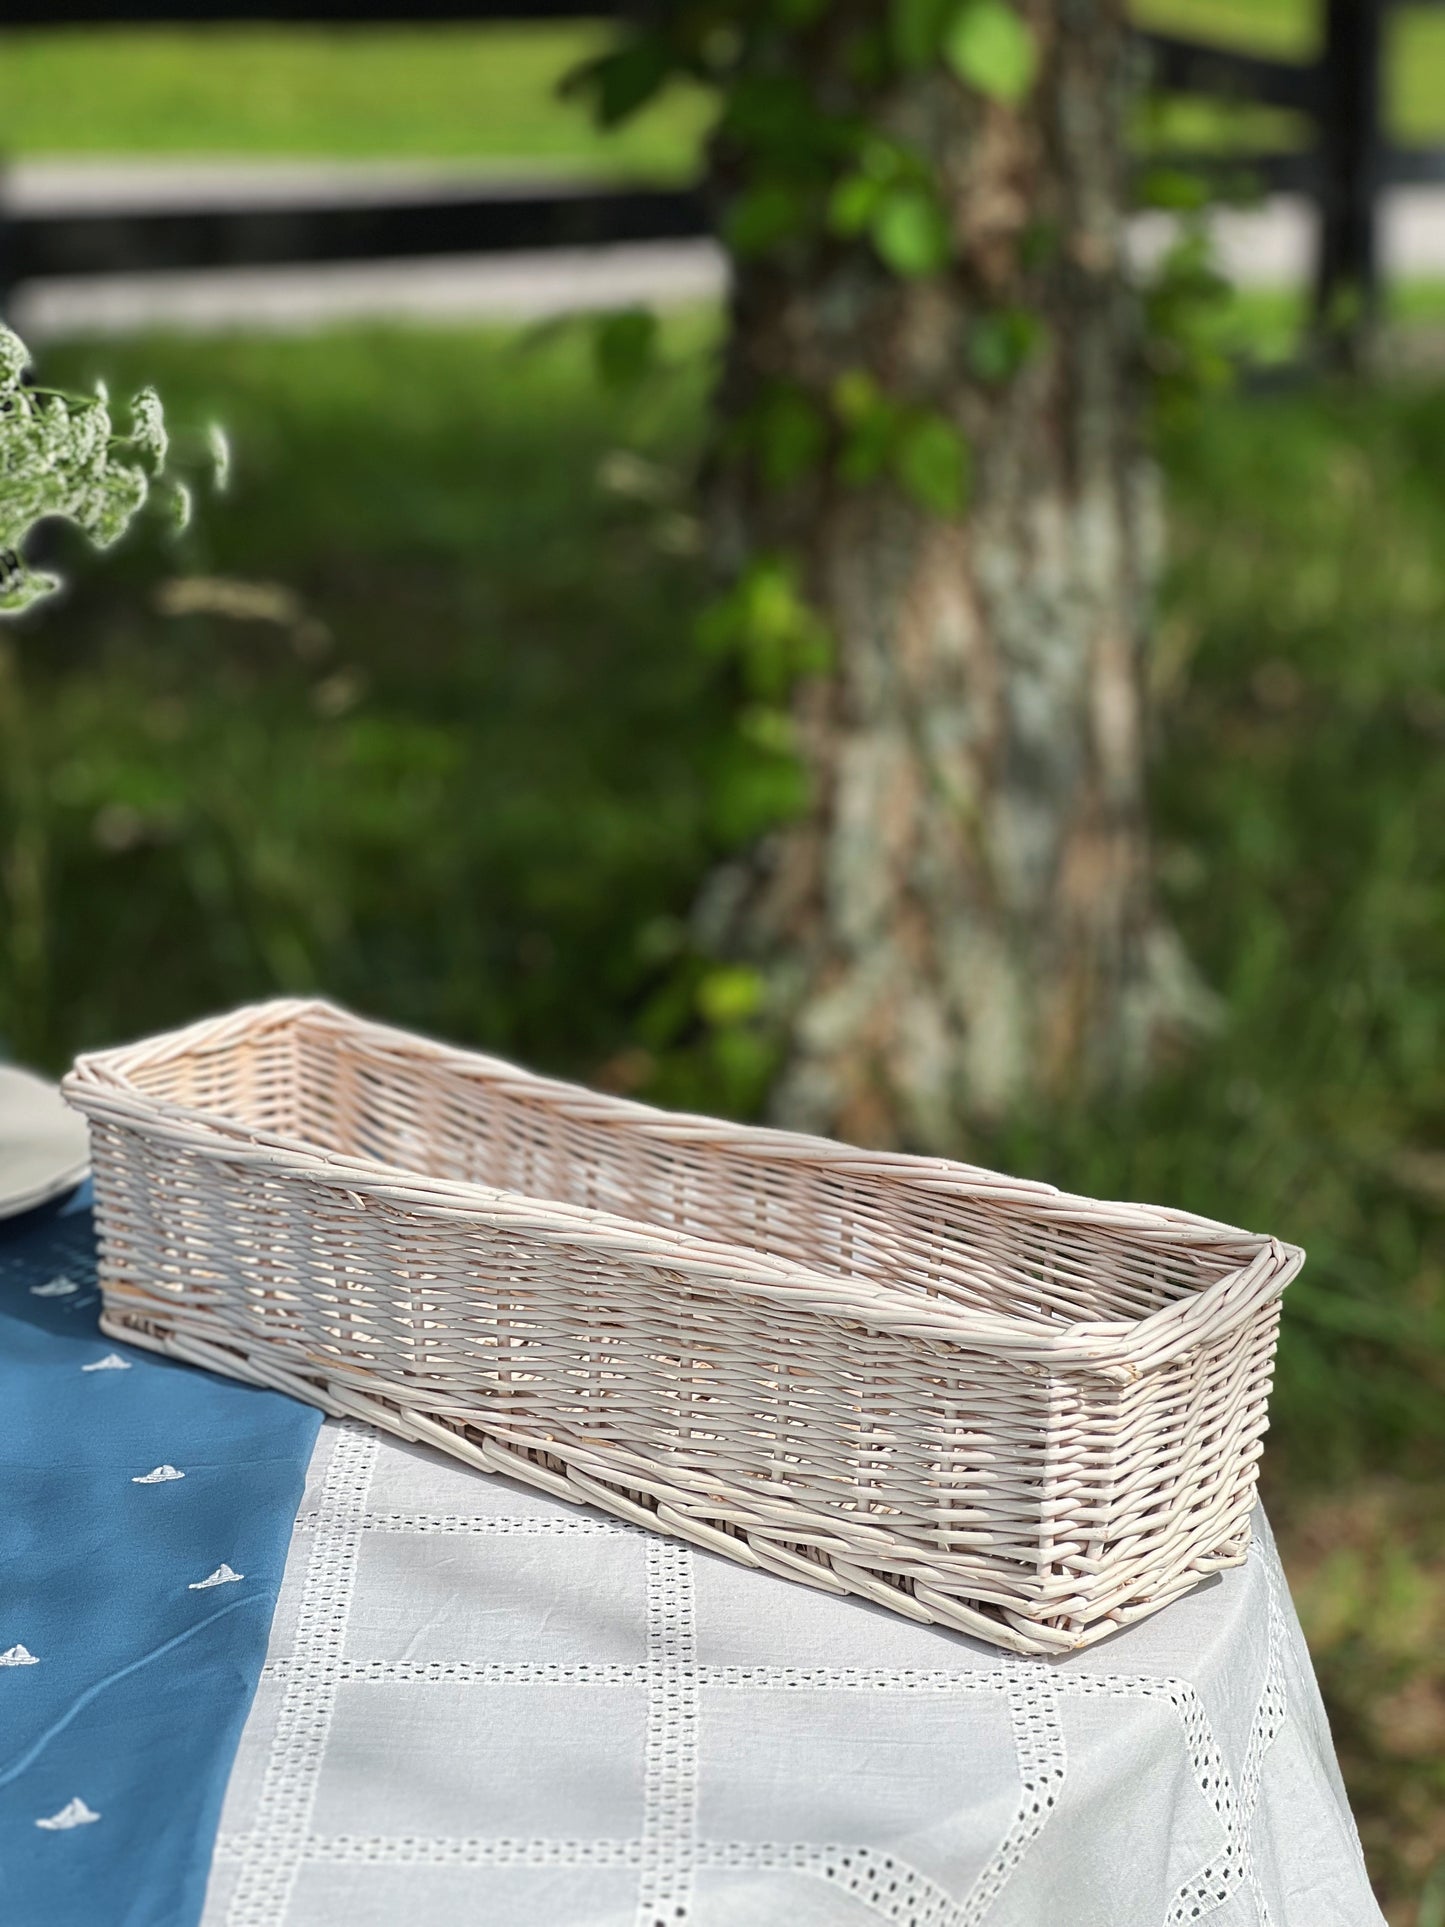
x=251, y=1075
x=176, y=1230
x=498, y=1127
x=922, y=1462
x=1176, y=1456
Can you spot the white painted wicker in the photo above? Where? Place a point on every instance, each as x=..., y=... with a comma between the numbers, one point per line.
x=970, y=1398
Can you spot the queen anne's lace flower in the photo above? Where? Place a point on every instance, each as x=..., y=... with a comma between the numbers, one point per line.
x=61, y=456
x=148, y=426
x=14, y=357
x=19, y=586
x=220, y=447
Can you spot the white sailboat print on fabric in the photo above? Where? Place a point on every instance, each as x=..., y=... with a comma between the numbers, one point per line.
x=61, y=1287
x=222, y=1576
x=18, y=1656
x=162, y=1475
x=74, y=1814
x=112, y=1362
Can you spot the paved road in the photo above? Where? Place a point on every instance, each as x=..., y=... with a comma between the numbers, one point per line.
x=1267, y=247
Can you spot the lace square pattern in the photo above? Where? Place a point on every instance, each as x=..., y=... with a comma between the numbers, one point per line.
x=634, y=1732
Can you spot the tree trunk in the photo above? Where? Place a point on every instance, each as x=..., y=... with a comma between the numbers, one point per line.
x=962, y=922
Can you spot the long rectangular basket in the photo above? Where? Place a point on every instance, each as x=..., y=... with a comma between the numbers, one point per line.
x=976, y=1400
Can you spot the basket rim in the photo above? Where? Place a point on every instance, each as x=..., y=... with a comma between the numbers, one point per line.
x=100, y=1085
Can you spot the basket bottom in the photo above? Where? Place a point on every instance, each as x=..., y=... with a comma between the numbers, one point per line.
x=570, y=1474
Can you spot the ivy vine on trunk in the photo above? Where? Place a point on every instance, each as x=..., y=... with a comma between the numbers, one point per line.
x=931, y=497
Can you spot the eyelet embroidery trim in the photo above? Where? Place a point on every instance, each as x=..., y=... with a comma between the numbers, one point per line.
x=670, y=1773
x=1038, y=1737
x=472, y=1523
x=1214, y=1884
x=668, y=1853
x=280, y=1839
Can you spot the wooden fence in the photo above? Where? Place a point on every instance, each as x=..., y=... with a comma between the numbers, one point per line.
x=1343, y=168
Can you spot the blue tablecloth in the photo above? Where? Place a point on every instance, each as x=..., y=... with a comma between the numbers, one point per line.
x=145, y=1514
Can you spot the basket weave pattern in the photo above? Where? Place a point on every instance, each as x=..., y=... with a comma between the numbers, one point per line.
x=970, y=1398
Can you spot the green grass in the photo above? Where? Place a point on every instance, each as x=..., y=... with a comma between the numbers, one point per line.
x=488, y=94
x=1420, y=304
x=1265, y=326
x=476, y=94
x=470, y=770
x=459, y=781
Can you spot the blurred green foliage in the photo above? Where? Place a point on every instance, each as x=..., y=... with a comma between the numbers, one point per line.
x=448, y=757
x=459, y=755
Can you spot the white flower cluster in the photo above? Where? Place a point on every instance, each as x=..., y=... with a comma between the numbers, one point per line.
x=220, y=452
x=62, y=455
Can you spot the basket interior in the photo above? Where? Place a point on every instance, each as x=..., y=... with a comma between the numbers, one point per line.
x=349, y=1089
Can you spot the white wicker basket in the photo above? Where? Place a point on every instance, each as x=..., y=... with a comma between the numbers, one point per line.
x=972, y=1399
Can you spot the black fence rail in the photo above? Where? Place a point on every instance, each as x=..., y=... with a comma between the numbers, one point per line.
x=503, y=220
x=1343, y=168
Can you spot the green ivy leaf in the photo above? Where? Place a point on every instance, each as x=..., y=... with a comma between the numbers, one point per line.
x=1173, y=188
x=621, y=82
x=853, y=204
x=791, y=433
x=730, y=994
x=870, y=421
x=624, y=347
x=888, y=162
x=769, y=729
x=931, y=461
x=752, y=791
x=910, y=232
x=865, y=453
x=855, y=394
x=773, y=116
x=867, y=62
x=991, y=48
x=999, y=344
x=743, y=1062
x=916, y=31
x=763, y=217
x=764, y=622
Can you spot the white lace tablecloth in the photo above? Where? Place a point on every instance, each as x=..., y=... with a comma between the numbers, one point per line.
x=483, y=1708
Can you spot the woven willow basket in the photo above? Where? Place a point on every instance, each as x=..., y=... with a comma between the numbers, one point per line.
x=972, y=1399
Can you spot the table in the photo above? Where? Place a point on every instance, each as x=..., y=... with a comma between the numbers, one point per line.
x=481, y=1705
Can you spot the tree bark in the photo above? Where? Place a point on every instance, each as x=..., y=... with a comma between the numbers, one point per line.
x=962, y=922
